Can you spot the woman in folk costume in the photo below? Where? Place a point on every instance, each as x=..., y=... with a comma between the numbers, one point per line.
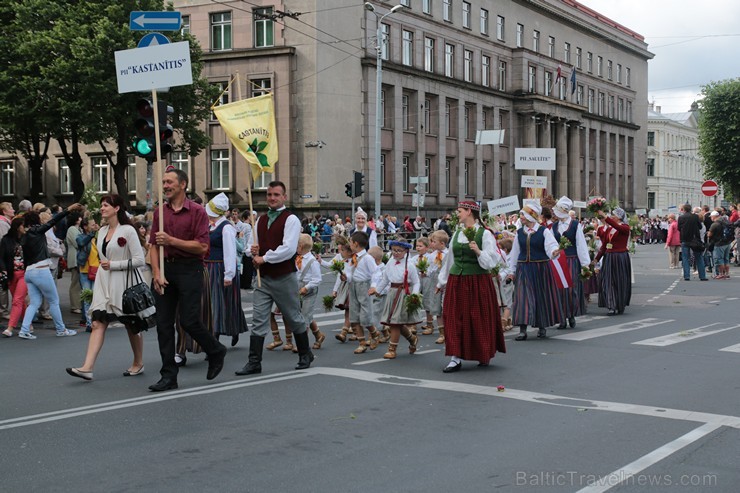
x=536, y=300
x=403, y=279
x=615, y=284
x=227, y=315
x=573, y=301
x=471, y=315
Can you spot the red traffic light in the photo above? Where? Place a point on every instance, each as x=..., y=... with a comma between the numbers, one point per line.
x=144, y=108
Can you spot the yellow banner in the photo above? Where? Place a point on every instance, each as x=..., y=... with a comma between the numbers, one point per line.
x=250, y=126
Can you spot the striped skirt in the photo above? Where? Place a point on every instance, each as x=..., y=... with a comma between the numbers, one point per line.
x=184, y=341
x=227, y=314
x=572, y=300
x=432, y=300
x=536, y=301
x=394, y=310
x=615, y=281
x=472, y=319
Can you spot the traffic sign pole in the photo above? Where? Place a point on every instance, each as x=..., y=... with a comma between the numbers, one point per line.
x=158, y=158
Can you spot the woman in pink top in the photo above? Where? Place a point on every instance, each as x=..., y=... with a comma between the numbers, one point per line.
x=673, y=242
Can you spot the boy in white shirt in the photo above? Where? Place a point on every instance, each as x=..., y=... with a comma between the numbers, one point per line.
x=433, y=300
x=360, y=304
x=309, y=279
x=379, y=299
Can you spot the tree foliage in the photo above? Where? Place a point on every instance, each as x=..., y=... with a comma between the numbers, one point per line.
x=719, y=134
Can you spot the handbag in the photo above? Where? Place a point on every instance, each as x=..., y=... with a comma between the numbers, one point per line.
x=93, y=262
x=137, y=303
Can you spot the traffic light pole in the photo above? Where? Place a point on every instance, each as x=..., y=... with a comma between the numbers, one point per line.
x=158, y=157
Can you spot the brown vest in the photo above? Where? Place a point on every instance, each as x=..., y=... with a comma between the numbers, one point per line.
x=271, y=238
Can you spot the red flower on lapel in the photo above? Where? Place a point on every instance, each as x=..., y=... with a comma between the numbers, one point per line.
x=121, y=241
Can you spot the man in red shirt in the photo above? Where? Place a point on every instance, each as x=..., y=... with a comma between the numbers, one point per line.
x=179, y=287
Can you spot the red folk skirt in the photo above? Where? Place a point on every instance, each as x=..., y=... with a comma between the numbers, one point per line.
x=472, y=318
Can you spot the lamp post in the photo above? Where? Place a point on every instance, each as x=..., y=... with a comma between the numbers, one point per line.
x=378, y=88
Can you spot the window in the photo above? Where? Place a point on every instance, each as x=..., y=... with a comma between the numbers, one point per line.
x=449, y=60
x=447, y=10
x=532, y=86
x=100, y=174
x=561, y=88
x=619, y=73
x=221, y=31
x=500, y=27
x=590, y=100
x=429, y=54
x=185, y=25
x=651, y=200
x=385, y=33
x=599, y=66
x=468, y=65
x=466, y=120
x=263, y=27
x=651, y=139
x=405, y=111
x=609, y=69
x=519, y=35
x=406, y=3
x=601, y=104
x=382, y=108
x=427, y=171
x=260, y=87
x=405, y=171
x=629, y=111
x=7, y=178
x=408, y=48
x=589, y=62
x=485, y=71
x=484, y=178
x=224, y=98
x=620, y=109
x=131, y=175
x=566, y=53
x=611, y=107
x=579, y=94
x=502, y=76
x=551, y=47
x=548, y=83
x=263, y=180
x=427, y=116
x=484, y=22
x=220, y=169
x=536, y=41
x=426, y=6
x=448, y=176
x=65, y=180
x=627, y=77
x=466, y=15
x=181, y=161
x=382, y=172
x=448, y=120
x=466, y=179
x=579, y=56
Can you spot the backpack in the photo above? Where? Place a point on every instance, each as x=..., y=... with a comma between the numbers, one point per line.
x=728, y=233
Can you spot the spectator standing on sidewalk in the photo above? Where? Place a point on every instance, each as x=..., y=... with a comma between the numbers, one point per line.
x=720, y=235
x=73, y=231
x=689, y=227
x=6, y=216
x=673, y=242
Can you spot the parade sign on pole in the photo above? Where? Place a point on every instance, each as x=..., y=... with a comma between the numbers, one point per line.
x=529, y=181
x=579, y=204
x=534, y=158
x=709, y=188
x=155, y=21
x=500, y=206
x=146, y=69
x=490, y=137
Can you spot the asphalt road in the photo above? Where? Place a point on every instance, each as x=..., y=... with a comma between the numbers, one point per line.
x=646, y=401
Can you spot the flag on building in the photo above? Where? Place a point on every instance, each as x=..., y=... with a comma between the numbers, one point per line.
x=250, y=126
x=560, y=73
x=573, y=81
x=561, y=272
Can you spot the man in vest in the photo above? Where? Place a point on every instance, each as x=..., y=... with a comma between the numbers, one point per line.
x=274, y=244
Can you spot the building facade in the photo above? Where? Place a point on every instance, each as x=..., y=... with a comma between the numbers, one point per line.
x=674, y=167
x=449, y=69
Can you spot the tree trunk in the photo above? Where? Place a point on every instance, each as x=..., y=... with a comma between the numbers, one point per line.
x=36, y=160
x=74, y=162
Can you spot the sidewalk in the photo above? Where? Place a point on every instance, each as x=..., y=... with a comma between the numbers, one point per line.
x=71, y=320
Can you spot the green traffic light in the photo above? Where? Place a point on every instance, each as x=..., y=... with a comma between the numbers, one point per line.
x=143, y=148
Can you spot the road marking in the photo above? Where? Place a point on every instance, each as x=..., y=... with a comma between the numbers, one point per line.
x=732, y=349
x=732, y=299
x=624, y=473
x=612, y=329
x=683, y=336
x=380, y=360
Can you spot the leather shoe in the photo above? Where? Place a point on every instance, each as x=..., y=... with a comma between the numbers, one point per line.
x=542, y=334
x=452, y=368
x=215, y=363
x=304, y=361
x=521, y=337
x=562, y=327
x=164, y=384
x=250, y=369
x=572, y=322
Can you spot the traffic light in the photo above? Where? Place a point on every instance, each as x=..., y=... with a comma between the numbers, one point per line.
x=348, y=190
x=165, y=129
x=144, y=143
x=359, y=184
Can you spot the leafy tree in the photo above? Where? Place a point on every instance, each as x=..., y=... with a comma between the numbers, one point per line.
x=719, y=134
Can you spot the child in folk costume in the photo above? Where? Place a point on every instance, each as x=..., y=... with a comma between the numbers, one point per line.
x=506, y=285
x=341, y=287
x=421, y=261
x=359, y=275
x=402, y=277
x=432, y=299
x=379, y=299
x=573, y=301
x=309, y=279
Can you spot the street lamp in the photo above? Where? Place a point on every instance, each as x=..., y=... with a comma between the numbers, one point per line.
x=378, y=87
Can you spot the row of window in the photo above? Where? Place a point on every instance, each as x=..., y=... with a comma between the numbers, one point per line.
x=263, y=29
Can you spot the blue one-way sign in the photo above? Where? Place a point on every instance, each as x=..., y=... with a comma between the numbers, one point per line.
x=153, y=39
x=155, y=21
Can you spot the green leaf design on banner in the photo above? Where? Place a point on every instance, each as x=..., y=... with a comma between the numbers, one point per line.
x=263, y=160
x=261, y=146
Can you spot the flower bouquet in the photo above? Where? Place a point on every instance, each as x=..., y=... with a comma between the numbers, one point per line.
x=586, y=273
x=317, y=248
x=337, y=266
x=596, y=204
x=413, y=303
x=454, y=221
x=588, y=228
x=422, y=265
x=385, y=258
x=328, y=302
x=564, y=243
x=86, y=295
x=496, y=270
x=469, y=233
x=635, y=227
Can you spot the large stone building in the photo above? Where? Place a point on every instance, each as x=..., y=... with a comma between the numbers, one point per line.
x=674, y=167
x=449, y=68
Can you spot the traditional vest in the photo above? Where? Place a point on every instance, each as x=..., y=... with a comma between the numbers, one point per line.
x=216, y=240
x=570, y=233
x=465, y=261
x=532, y=247
x=271, y=238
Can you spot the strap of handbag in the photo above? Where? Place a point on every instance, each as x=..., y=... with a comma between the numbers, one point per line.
x=133, y=277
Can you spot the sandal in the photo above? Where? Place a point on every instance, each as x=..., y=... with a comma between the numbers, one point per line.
x=8, y=333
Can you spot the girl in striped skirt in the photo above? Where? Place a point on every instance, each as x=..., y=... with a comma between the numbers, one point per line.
x=403, y=279
x=615, y=282
x=535, y=301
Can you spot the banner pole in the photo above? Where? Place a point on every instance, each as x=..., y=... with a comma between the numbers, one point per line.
x=158, y=157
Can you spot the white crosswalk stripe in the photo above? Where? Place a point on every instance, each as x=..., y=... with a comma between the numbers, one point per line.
x=612, y=329
x=683, y=336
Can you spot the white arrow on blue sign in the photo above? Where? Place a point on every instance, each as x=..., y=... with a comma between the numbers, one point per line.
x=153, y=39
x=155, y=21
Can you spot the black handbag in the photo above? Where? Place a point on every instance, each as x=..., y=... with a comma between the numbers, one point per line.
x=137, y=305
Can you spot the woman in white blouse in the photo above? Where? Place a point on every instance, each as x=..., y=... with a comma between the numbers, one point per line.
x=117, y=242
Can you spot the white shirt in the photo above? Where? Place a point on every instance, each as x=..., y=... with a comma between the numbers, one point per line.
x=581, y=245
x=489, y=257
x=432, y=257
x=288, y=247
x=371, y=234
x=229, y=246
x=364, y=269
x=312, y=277
x=394, y=273
x=550, y=245
x=378, y=277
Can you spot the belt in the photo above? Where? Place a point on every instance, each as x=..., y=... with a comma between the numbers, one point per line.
x=396, y=284
x=174, y=260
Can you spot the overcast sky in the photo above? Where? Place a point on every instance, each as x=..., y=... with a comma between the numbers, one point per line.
x=694, y=42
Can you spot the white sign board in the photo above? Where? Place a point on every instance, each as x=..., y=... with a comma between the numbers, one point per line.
x=500, y=206
x=419, y=179
x=417, y=200
x=529, y=181
x=579, y=204
x=673, y=210
x=534, y=158
x=154, y=67
x=640, y=212
x=655, y=213
x=491, y=137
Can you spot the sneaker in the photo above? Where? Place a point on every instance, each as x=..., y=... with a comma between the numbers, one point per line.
x=26, y=335
x=47, y=316
x=67, y=333
x=76, y=310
